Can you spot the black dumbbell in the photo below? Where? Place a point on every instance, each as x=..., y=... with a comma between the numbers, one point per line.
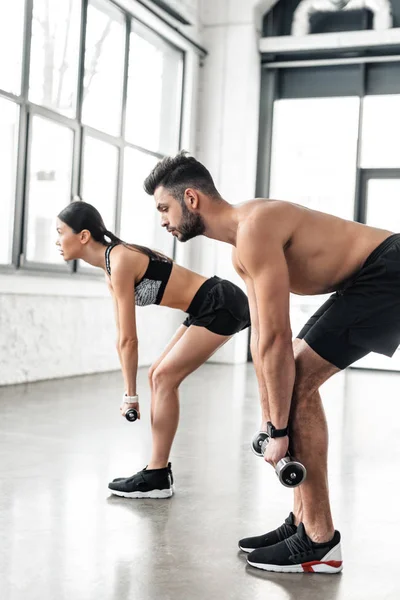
x=131, y=415
x=291, y=473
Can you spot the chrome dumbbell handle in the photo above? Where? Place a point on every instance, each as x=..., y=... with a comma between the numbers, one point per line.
x=256, y=443
x=290, y=472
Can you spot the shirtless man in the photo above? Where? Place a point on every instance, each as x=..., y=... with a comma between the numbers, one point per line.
x=280, y=247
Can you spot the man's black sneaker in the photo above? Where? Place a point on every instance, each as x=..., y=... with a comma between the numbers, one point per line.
x=148, y=483
x=299, y=554
x=272, y=537
x=169, y=467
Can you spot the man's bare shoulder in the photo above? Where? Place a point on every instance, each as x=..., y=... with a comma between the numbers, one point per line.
x=263, y=217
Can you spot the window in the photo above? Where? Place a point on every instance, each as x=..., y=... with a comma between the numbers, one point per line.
x=104, y=67
x=53, y=80
x=49, y=181
x=140, y=222
x=314, y=151
x=380, y=132
x=100, y=175
x=9, y=115
x=383, y=203
x=90, y=100
x=154, y=92
x=11, y=46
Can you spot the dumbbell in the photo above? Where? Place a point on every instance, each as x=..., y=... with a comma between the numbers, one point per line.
x=131, y=415
x=291, y=473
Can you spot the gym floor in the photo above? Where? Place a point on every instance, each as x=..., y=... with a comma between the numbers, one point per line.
x=63, y=536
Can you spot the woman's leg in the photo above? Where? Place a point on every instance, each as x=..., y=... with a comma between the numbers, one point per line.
x=175, y=338
x=195, y=346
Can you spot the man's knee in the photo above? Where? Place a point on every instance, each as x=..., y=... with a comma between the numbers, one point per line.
x=307, y=381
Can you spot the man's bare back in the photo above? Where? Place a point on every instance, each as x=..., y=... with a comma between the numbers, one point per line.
x=321, y=251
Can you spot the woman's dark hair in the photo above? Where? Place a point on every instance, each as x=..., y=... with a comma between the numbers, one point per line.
x=80, y=215
x=176, y=173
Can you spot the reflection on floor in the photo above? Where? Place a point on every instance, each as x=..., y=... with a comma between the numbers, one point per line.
x=64, y=537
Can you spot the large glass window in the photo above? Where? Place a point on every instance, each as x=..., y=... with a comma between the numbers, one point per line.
x=9, y=114
x=383, y=203
x=54, y=64
x=104, y=67
x=154, y=92
x=140, y=222
x=380, y=132
x=81, y=116
x=314, y=153
x=49, y=181
x=100, y=174
x=11, y=45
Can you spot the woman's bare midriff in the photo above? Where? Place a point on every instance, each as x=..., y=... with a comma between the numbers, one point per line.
x=182, y=287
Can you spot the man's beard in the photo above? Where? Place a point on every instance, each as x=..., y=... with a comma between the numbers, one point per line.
x=190, y=226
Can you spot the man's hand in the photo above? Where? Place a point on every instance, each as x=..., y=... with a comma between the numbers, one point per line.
x=276, y=449
x=125, y=406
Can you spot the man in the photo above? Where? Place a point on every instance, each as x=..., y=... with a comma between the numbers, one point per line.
x=280, y=247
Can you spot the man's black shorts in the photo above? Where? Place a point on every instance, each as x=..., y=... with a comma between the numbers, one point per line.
x=220, y=306
x=364, y=316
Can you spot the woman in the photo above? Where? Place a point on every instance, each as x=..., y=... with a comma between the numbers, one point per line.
x=136, y=275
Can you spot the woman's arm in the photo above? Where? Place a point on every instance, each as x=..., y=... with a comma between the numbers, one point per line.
x=115, y=306
x=122, y=288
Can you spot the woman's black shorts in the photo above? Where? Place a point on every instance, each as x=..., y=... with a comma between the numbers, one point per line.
x=220, y=306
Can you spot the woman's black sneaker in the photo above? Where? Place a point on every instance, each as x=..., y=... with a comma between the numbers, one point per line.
x=169, y=467
x=272, y=537
x=148, y=483
x=299, y=554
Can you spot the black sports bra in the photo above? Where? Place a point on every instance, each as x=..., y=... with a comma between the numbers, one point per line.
x=150, y=289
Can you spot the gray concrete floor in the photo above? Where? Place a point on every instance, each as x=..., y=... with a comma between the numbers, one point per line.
x=64, y=537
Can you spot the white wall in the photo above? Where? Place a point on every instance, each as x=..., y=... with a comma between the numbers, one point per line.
x=52, y=329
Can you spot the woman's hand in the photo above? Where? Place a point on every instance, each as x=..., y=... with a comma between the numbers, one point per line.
x=125, y=406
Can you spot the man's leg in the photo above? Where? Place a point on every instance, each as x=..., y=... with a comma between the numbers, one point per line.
x=315, y=546
x=309, y=445
x=310, y=442
x=289, y=527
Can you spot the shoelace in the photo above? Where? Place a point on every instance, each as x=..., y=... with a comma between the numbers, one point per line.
x=298, y=545
x=285, y=531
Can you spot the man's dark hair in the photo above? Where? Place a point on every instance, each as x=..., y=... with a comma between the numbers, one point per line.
x=177, y=173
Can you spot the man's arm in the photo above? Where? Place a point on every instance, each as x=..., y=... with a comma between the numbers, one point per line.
x=254, y=338
x=262, y=256
x=254, y=341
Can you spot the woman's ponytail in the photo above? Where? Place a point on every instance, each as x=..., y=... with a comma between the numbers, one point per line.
x=80, y=215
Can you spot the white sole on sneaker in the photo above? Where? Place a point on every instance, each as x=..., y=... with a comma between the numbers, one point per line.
x=330, y=563
x=152, y=494
x=246, y=549
x=311, y=567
